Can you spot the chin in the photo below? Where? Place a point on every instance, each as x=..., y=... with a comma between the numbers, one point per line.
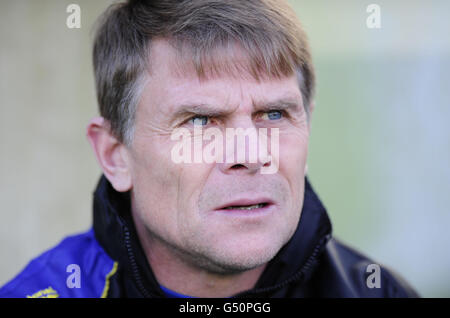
x=240, y=256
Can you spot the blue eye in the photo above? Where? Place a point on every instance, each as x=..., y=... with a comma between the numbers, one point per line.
x=274, y=114
x=199, y=120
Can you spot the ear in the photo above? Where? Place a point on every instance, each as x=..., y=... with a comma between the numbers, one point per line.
x=111, y=154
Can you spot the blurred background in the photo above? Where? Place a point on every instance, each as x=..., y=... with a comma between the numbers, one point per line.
x=379, y=151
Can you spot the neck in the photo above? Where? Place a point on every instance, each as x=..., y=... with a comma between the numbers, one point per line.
x=174, y=271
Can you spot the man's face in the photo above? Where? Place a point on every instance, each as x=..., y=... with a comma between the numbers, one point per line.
x=181, y=204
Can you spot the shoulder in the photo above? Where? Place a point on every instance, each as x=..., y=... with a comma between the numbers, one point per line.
x=77, y=267
x=355, y=275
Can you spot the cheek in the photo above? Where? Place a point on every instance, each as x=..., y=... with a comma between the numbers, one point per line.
x=167, y=192
x=155, y=181
x=192, y=179
x=152, y=167
x=293, y=155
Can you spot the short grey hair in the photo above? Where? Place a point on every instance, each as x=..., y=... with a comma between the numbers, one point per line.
x=268, y=31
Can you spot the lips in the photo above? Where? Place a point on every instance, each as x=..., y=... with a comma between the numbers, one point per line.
x=246, y=204
x=246, y=207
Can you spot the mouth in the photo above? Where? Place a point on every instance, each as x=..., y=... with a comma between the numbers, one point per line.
x=245, y=206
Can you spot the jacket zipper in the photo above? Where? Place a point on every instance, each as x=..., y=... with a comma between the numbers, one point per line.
x=133, y=264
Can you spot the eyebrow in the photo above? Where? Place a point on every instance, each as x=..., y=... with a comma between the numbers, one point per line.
x=290, y=103
x=202, y=109
x=199, y=109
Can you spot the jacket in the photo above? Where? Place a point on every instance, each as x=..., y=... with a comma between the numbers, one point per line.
x=108, y=261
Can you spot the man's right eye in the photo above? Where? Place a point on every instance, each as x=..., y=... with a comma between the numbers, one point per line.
x=199, y=120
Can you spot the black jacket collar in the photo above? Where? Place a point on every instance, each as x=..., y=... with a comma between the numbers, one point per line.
x=115, y=231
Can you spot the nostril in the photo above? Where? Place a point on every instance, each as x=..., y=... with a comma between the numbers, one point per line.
x=267, y=164
x=238, y=166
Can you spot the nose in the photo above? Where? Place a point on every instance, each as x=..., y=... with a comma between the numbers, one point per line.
x=245, y=152
x=243, y=167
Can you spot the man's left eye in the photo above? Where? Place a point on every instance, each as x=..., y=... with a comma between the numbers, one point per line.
x=199, y=120
x=273, y=115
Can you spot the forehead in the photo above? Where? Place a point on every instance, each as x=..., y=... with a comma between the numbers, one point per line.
x=230, y=58
x=174, y=78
